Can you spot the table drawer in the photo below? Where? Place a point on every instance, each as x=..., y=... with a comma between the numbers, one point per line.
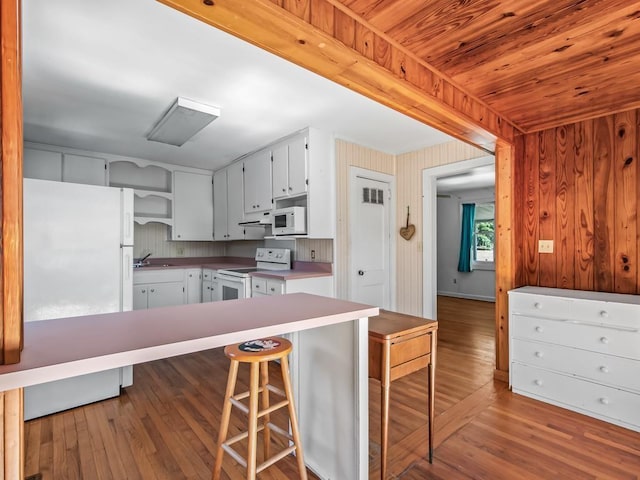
x=601, y=368
x=404, y=356
x=572, y=392
x=407, y=349
x=602, y=339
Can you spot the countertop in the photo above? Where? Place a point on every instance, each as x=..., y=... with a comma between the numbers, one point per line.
x=67, y=347
x=299, y=269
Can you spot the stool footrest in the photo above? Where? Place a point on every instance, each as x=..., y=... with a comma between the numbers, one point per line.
x=241, y=436
x=271, y=388
x=275, y=458
x=235, y=455
x=280, y=431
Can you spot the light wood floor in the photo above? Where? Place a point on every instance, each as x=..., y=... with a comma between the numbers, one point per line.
x=165, y=426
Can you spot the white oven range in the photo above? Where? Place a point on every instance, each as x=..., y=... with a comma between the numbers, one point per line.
x=235, y=283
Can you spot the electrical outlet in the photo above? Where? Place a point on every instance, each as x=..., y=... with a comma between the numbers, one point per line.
x=180, y=251
x=545, y=246
x=313, y=254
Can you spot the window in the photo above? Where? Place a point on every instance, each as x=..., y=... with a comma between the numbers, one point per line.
x=484, y=235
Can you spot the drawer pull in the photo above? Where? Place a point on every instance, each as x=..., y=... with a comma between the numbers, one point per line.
x=539, y=329
x=604, y=369
x=604, y=401
x=538, y=382
x=604, y=340
x=604, y=314
x=537, y=306
x=539, y=354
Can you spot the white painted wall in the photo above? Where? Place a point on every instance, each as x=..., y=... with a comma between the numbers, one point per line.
x=479, y=284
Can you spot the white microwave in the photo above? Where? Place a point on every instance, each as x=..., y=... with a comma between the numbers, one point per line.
x=289, y=221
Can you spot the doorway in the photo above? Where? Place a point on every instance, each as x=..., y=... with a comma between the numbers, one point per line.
x=371, y=272
x=429, y=222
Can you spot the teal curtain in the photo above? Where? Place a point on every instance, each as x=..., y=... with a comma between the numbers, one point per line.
x=466, y=236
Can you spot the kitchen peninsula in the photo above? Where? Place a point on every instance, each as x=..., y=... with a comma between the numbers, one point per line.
x=331, y=347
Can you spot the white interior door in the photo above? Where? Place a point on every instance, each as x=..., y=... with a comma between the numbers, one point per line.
x=370, y=242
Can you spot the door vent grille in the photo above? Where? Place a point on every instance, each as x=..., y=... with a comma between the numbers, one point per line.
x=372, y=195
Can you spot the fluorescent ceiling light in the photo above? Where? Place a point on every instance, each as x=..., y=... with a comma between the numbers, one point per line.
x=181, y=121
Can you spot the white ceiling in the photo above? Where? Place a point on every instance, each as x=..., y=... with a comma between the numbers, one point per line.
x=98, y=74
x=477, y=178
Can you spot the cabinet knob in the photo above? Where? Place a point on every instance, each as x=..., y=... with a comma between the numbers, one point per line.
x=604, y=369
x=360, y=272
x=604, y=401
x=537, y=305
x=273, y=289
x=538, y=382
x=539, y=329
x=284, y=190
x=604, y=340
x=290, y=188
x=144, y=291
x=152, y=290
x=604, y=314
x=539, y=354
x=179, y=236
x=257, y=287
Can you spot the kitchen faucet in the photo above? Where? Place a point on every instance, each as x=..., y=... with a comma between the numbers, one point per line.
x=140, y=262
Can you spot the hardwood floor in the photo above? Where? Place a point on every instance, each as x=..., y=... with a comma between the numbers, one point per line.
x=165, y=426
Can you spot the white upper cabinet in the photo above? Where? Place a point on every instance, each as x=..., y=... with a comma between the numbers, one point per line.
x=84, y=169
x=229, y=205
x=220, y=231
x=257, y=182
x=62, y=166
x=235, y=202
x=289, y=168
x=42, y=164
x=192, y=206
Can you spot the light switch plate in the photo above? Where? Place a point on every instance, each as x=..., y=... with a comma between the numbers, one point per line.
x=545, y=246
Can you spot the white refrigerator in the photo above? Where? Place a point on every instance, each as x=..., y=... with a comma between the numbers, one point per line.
x=78, y=260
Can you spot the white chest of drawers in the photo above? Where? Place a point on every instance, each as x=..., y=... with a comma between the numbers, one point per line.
x=578, y=350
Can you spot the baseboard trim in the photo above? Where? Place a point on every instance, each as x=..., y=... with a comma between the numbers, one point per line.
x=501, y=375
x=482, y=298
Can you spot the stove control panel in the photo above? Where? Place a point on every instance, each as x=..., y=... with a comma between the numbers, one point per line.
x=274, y=258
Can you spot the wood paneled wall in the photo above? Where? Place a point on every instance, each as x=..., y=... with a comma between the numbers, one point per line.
x=351, y=155
x=581, y=191
x=409, y=168
x=325, y=37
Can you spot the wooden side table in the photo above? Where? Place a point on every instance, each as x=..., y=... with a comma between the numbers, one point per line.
x=401, y=344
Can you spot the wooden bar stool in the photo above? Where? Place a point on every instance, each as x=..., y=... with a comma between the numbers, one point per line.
x=258, y=353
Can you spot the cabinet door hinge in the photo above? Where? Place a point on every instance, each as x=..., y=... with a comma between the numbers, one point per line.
x=105, y=166
x=182, y=289
x=306, y=182
x=306, y=146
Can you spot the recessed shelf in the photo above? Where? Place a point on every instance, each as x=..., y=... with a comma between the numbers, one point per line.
x=142, y=220
x=141, y=193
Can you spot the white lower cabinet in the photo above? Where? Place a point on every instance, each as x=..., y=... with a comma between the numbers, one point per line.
x=209, y=286
x=158, y=288
x=193, y=285
x=263, y=286
x=578, y=350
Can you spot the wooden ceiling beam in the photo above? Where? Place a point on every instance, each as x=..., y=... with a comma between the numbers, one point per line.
x=316, y=35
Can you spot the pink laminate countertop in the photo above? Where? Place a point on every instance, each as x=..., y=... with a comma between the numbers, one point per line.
x=214, y=263
x=289, y=274
x=67, y=347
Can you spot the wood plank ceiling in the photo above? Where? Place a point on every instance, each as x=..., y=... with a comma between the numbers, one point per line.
x=538, y=63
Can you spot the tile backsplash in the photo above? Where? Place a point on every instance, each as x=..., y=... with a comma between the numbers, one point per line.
x=152, y=238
